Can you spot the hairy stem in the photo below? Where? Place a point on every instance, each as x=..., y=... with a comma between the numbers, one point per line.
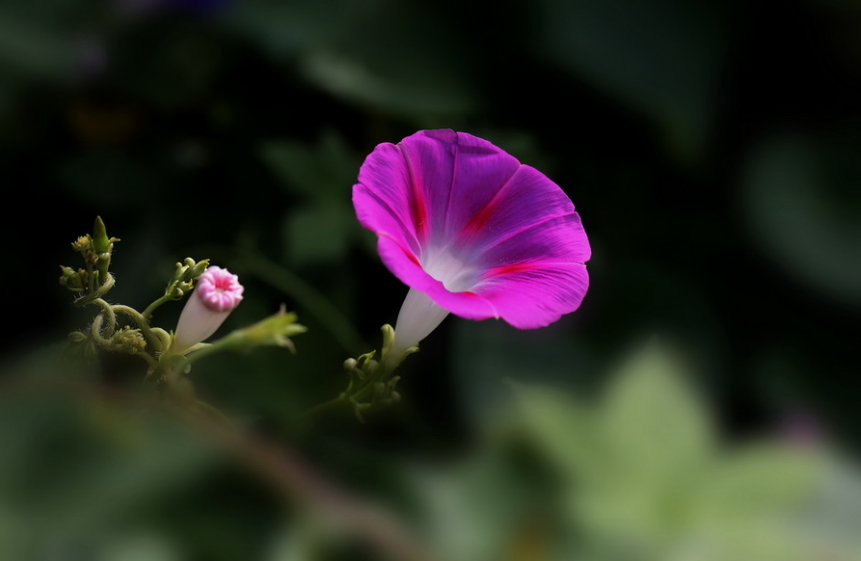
x=147, y=314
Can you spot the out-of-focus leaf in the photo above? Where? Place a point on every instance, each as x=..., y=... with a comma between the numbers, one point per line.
x=802, y=202
x=487, y=353
x=320, y=230
x=139, y=546
x=75, y=467
x=565, y=429
x=661, y=57
x=364, y=52
x=475, y=510
x=324, y=171
x=644, y=476
x=318, y=234
x=295, y=542
x=761, y=480
x=657, y=429
x=420, y=69
x=831, y=523
x=403, y=89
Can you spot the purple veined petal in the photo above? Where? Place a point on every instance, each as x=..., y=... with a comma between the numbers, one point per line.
x=455, y=175
x=535, y=295
x=529, y=218
x=384, y=200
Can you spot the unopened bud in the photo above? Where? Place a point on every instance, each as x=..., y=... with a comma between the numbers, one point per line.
x=217, y=294
x=196, y=269
x=73, y=280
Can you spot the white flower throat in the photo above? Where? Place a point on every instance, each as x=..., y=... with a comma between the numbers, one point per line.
x=420, y=315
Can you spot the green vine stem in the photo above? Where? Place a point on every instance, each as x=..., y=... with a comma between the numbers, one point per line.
x=147, y=314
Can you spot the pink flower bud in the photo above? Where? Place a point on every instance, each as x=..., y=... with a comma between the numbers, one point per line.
x=217, y=293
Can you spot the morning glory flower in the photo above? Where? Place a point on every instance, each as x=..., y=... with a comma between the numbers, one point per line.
x=217, y=293
x=471, y=231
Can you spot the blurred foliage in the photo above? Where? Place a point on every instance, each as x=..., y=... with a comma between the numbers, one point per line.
x=803, y=202
x=647, y=480
x=710, y=147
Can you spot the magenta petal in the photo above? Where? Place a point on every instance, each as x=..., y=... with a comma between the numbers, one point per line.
x=456, y=175
x=536, y=295
x=482, y=235
x=531, y=218
x=383, y=199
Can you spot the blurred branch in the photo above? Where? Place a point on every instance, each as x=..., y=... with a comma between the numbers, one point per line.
x=281, y=468
x=294, y=479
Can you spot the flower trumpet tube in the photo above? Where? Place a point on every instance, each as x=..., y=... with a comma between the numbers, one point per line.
x=471, y=231
x=217, y=293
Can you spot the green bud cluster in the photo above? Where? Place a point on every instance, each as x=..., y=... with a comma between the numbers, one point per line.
x=96, y=249
x=372, y=381
x=76, y=281
x=184, y=277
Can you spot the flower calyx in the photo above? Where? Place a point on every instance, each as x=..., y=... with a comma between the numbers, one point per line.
x=96, y=249
x=372, y=382
x=184, y=277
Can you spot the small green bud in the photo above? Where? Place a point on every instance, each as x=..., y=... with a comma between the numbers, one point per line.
x=73, y=280
x=178, y=274
x=101, y=242
x=350, y=364
x=97, y=250
x=388, y=339
x=197, y=269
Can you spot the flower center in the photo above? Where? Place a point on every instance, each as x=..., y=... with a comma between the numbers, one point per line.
x=449, y=269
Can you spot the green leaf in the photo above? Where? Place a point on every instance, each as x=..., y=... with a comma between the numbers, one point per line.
x=759, y=481
x=564, y=429
x=659, y=432
x=802, y=202
x=324, y=171
x=477, y=509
